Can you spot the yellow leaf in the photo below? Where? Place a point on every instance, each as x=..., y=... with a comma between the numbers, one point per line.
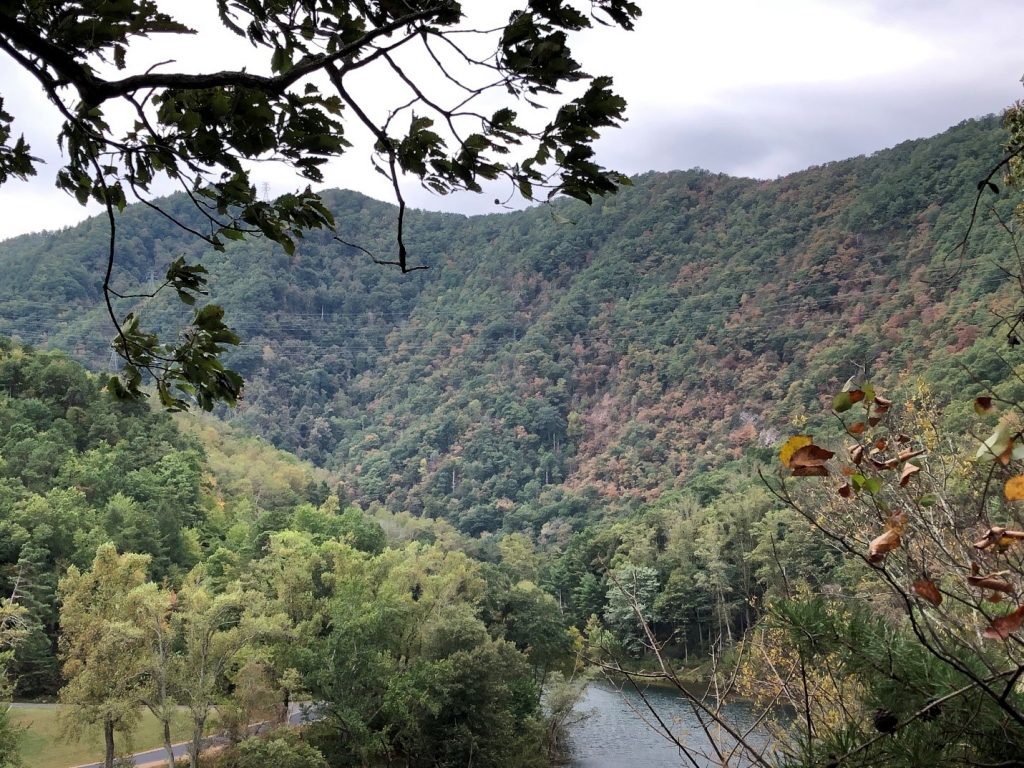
x=795, y=443
x=1015, y=488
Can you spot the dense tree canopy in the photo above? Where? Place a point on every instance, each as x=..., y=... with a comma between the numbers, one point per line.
x=215, y=574
x=461, y=99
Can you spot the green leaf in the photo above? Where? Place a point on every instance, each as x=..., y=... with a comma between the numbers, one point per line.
x=842, y=402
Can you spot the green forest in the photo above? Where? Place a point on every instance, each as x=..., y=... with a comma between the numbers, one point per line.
x=758, y=436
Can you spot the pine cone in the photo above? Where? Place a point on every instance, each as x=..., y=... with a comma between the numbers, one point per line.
x=885, y=721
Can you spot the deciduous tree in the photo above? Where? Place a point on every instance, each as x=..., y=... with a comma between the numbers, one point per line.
x=103, y=646
x=11, y=632
x=462, y=93
x=214, y=630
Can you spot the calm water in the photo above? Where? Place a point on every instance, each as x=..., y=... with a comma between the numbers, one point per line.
x=614, y=736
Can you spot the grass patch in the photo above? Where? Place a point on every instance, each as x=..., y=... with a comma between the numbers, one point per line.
x=43, y=744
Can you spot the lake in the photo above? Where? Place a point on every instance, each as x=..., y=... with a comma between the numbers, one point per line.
x=614, y=736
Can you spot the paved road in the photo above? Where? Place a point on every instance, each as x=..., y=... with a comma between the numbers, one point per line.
x=296, y=716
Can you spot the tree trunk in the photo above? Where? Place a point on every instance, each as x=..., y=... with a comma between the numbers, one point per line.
x=108, y=740
x=167, y=743
x=197, y=742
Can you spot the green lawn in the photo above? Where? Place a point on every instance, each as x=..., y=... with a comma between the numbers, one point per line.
x=42, y=745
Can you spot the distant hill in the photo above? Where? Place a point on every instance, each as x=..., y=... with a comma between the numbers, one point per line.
x=563, y=359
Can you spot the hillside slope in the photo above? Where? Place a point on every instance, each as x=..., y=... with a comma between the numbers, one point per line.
x=558, y=360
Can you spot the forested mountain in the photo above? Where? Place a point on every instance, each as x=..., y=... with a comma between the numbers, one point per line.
x=553, y=430
x=153, y=562
x=560, y=361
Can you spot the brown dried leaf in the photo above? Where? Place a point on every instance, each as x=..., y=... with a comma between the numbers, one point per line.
x=812, y=471
x=845, y=490
x=888, y=464
x=909, y=470
x=809, y=456
x=874, y=420
x=856, y=454
x=857, y=428
x=792, y=445
x=882, y=545
x=882, y=404
x=901, y=438
x=991, y=581
x=856, y=395
x=999, y=536
x=983, y=404
x=927, y=590
x=1004, y=626
x=881, y=444
x=908, y=455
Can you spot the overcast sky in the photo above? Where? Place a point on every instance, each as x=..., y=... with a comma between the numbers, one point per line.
x=748, y=87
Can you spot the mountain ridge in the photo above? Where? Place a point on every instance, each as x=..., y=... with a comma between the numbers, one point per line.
x=556, y=360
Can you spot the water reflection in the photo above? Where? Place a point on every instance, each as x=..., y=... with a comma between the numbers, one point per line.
x=614, y=735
